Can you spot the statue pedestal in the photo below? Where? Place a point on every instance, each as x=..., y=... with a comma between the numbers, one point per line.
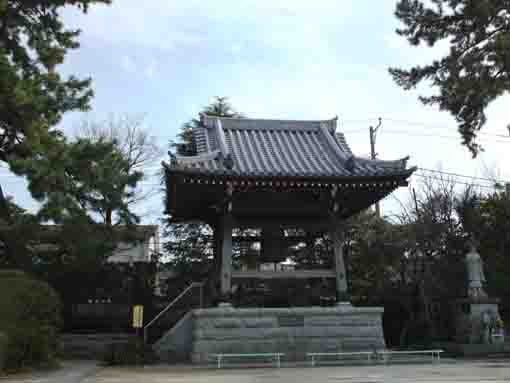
x=476, y=321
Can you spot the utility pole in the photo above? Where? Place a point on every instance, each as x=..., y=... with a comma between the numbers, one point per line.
x=373, y=154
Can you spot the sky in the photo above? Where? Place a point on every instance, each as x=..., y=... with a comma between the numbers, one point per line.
x=289, y=59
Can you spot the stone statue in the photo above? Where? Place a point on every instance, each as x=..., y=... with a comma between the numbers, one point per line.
x=477, y=317
x=476, y=277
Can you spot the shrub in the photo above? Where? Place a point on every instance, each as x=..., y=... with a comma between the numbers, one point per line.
x=30, y=316
x=3, y=349
x=132, y=352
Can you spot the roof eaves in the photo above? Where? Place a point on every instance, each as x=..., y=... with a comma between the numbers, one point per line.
x=200, y=172
x=385, y=164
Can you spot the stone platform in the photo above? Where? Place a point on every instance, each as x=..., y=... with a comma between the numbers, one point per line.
x=293, y=331
x=468, y=313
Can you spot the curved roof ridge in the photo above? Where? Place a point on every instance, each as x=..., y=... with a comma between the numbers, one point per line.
x=212, y=117
x=342, y=142
x=327, y=134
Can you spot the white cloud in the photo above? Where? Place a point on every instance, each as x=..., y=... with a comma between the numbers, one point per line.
x=151, y=69
x=283, y=59
x=170, y=25
x=408, y=54
x=395, y=42
x=128, y=64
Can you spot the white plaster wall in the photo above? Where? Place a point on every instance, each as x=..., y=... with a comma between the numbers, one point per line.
x=130, y=252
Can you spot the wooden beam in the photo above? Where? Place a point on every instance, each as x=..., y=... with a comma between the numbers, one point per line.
x=319, y=223
x=293, y=274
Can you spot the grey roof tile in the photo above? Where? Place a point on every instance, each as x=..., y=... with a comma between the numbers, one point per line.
x=279, y=148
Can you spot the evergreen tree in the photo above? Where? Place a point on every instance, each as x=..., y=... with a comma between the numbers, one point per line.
x=33, y=95
x=190, y=244
x=476, y=69
x=83, y=178
x=220, y=107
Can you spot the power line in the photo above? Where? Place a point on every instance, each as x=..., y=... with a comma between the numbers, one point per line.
x=441, y=136
x=428, y=126
x=351, y=131
x=463, y=175
x=454, y=181
x=437, y=127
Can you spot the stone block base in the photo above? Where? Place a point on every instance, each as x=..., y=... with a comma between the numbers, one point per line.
x=469, y=322
x=293, y=331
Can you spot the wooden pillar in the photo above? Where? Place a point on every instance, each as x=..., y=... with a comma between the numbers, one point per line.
x=225, y=232
x=271, y=243
x=337, y=237
x=216, y=270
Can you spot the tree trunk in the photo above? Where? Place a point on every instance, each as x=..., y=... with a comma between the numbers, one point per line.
x=4, y=208
x=6, y=217
x=108, y=219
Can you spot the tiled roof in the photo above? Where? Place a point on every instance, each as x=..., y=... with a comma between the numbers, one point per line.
x=278, y=148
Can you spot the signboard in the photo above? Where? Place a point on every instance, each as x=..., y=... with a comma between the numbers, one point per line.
x=291, y=321
x=138, y=316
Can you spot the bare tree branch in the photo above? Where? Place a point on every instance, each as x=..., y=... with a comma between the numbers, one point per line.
x=133, y=140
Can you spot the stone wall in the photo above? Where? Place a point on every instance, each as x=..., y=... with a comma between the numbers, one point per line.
x=175, y=344
x=293, y=331
x=89, y=346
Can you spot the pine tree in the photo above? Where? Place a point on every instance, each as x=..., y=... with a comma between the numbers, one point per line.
x=83, y=178
x=189, y=244
x=220, y=107
x=33, y=95
x=476, y=69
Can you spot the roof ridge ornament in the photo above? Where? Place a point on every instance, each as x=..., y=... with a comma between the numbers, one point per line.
x=228, y=162
x=204, y=117
x=334, y=124
x=173, y=158
x=404, y=161
x=350, y=163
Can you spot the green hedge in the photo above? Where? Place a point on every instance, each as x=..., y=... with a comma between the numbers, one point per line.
x=30, y=317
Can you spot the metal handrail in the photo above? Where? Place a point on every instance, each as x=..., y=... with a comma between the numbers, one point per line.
x=193, y=284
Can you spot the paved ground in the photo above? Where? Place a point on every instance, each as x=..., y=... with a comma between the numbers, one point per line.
x=479, y=371
x=70, y=372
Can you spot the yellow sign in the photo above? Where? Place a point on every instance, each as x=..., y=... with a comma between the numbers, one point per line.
x=138, y=316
